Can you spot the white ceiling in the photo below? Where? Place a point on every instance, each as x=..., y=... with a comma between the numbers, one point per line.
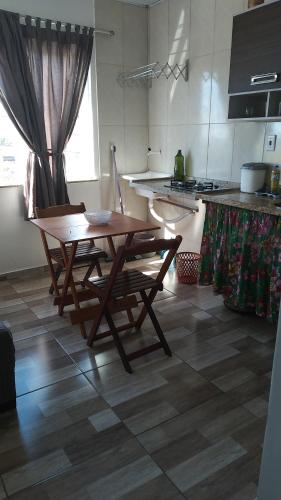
x=140, y=2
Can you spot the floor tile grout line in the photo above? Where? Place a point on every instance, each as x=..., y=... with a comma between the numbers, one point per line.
x=43, y=481
x=64, y=350
x=96, y=389
x=92, y=369
x=57, y=381
x=49, y=385
x=159, y=372
x=122, y=420
x=172, y=418
x=133, y=437
x=161, y=468
x=82, y=372
x=117, y=359
x=67, y=469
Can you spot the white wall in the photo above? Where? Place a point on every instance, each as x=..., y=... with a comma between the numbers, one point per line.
x=65, y=10
x=193, y=115
x=123, y=119
x=20, y=242
x=123, y=112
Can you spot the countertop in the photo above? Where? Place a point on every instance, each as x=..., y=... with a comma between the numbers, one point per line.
x=162, y=187
x=244, y=200
x=158, y=187
x=234, y=198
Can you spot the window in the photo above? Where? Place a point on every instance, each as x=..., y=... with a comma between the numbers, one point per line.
x=79, y=153
x=13, y=152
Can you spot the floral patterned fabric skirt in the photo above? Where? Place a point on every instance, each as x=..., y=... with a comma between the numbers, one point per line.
x=241, y=255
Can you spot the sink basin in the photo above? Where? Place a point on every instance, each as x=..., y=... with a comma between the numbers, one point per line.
x=149, y=175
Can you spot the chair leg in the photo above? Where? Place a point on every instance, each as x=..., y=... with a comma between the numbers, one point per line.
x=88, y=273
x=57, y=275
x=118, y=342
x=98, y=269
x=155, y=323
x=90, y=270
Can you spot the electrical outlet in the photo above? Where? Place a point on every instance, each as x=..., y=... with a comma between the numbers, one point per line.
x=270, y=142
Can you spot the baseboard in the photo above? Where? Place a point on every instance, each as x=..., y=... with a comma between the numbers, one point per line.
x=26, y=273
x=22, y=273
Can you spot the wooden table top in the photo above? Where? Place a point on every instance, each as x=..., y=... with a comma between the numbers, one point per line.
x=70, y=228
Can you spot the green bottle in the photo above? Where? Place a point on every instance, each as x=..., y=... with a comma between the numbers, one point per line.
x=179, y=173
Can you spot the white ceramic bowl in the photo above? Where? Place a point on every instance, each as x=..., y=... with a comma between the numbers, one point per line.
x=98, y=217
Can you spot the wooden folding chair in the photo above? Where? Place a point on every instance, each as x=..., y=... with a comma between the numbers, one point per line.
x=116, y=292
x=87, y=254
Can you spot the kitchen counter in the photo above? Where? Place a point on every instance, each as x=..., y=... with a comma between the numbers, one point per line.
x=232, y=198
x=158, y=187
x=244, y=200
x=241, y=252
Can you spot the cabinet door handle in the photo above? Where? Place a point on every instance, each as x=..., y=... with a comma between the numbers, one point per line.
x=266, y=78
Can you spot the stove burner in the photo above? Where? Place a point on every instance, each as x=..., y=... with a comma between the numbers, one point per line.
x=192, y=185
x=204, y=186
x=186, y=185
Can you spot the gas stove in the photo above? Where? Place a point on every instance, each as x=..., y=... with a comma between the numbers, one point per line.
x=194, y=185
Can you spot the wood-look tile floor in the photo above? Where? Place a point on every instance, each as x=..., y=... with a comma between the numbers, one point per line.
x=190, y=426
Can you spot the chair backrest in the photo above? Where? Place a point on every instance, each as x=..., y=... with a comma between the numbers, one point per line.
x=123, y=252
x=151, y=246
x=59, y=210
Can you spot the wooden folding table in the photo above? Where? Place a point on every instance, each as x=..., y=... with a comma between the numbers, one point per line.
x=70, y=230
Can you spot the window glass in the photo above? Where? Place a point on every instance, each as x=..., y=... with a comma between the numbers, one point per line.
x=79, y=152
x=13, y=152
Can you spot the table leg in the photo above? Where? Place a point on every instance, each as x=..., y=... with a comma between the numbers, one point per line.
x=111, y=246
x=68, y=262
x=69, y=281
x=128, y=241
x=50, y=263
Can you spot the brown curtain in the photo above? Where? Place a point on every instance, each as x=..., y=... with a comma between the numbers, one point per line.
x=54, y=71
x=18, y=96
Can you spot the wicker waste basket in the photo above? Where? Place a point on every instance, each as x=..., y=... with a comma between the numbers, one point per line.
x=187, y=266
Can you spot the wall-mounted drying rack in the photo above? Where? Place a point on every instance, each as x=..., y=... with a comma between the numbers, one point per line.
x=144, y=75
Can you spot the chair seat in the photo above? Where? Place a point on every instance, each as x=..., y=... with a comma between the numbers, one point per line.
x=127, y=282
x=85, y=252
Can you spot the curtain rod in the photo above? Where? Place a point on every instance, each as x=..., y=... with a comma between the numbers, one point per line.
x=98, y=31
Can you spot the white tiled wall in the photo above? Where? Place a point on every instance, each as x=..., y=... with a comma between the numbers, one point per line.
x=192, y=115
x=123, y=112
x=173, y=114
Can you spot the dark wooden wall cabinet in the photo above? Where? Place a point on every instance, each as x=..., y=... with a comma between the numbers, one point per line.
x=255, y=68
